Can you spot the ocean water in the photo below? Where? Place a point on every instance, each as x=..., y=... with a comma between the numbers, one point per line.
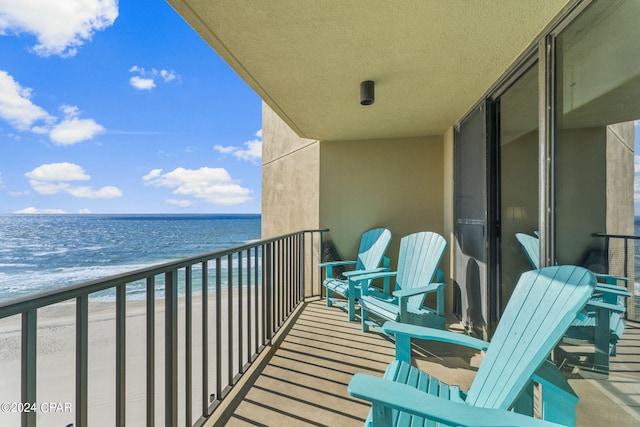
x=45, y=252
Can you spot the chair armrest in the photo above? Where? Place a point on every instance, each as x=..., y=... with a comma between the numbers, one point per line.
x=354, y=273
x=369, y=276
x=388, y=394
x=334, y=263
x=431, y=334
x=610, y=279
x=612, y=290
x=431, y=287
x=614, y=308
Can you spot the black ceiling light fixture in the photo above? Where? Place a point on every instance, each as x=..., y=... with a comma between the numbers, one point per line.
x=367, y=92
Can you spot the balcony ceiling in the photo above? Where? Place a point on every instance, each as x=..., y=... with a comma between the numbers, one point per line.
x=431, y=59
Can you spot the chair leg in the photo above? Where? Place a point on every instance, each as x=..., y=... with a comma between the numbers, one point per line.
x=329, y=298
x=351, y=309
x=364, y=316
x=602, y=341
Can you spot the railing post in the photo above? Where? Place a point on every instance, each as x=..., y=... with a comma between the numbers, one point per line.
x=188, y=327
x=257, y=306
x=249, y=305
x=151, y=352
x=626, y=257
x=219, y=328
x=240, y=316
x=230, y=319
x=300, y=262
x=303, y=264
x=171, y=349
x=121, y=355
x=268, y=271
x=205, y=339
x=606, y=253
x=304, y=260
x=29, y=347
x=319, y=260
x=278, y=284
x=82, y=350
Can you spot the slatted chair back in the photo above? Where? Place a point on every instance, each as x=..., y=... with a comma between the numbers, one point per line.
x=531, y=247
x=373, y=245
x=541, y=308
x=418, y=259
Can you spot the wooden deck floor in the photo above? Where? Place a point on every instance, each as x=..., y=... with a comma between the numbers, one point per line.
x=303, y=378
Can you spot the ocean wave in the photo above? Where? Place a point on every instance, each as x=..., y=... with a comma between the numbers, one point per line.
x=42, y=253
x=17, y=265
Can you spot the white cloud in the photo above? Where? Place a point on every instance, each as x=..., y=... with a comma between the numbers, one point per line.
x=59, y=26
x=16, y=106
x=180, y=203
x=252, y=150
x=153, y=175
x=108, y=192
x=145, y=80
x=225, y=150
x=58, y=172
x=19, y=111
x=55, y=178
x=84, y=211
x=167, y=76
x=32, y=210
x=213, y=185
x=72, y=129
x=142, y=83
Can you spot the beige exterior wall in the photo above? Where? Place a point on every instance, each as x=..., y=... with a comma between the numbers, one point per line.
x=352, y=186
x=393, y=183
x=290, y=178
x=620, y=200
x=620, y=170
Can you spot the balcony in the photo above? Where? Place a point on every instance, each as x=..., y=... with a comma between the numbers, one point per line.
x=267, y=353
x=304, y=380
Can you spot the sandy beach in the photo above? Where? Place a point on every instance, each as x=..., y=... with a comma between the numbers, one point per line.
x=56, y=362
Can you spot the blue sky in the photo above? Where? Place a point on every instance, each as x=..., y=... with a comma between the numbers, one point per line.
x=120, y=107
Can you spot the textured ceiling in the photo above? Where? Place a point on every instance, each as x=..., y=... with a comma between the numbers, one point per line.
x=431, y=59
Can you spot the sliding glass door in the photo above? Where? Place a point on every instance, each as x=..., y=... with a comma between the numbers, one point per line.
x=517, y=184
x=597, y=68
x=472, y=223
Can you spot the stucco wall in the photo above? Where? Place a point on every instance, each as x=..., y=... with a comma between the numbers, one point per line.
x=352, y=186
x=620, y=197
x=290, y=178
x=392, y=183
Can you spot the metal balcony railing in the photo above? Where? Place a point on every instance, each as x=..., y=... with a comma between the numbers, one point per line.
x=246, y=294
x=621, y=258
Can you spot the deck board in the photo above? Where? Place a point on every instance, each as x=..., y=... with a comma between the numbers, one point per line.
x=304, y=383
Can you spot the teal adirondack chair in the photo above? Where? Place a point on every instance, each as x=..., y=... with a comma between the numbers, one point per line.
x=531, y=247
x=541, y=308
x=418, y=259
x=606, y=308
x=373, y=245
